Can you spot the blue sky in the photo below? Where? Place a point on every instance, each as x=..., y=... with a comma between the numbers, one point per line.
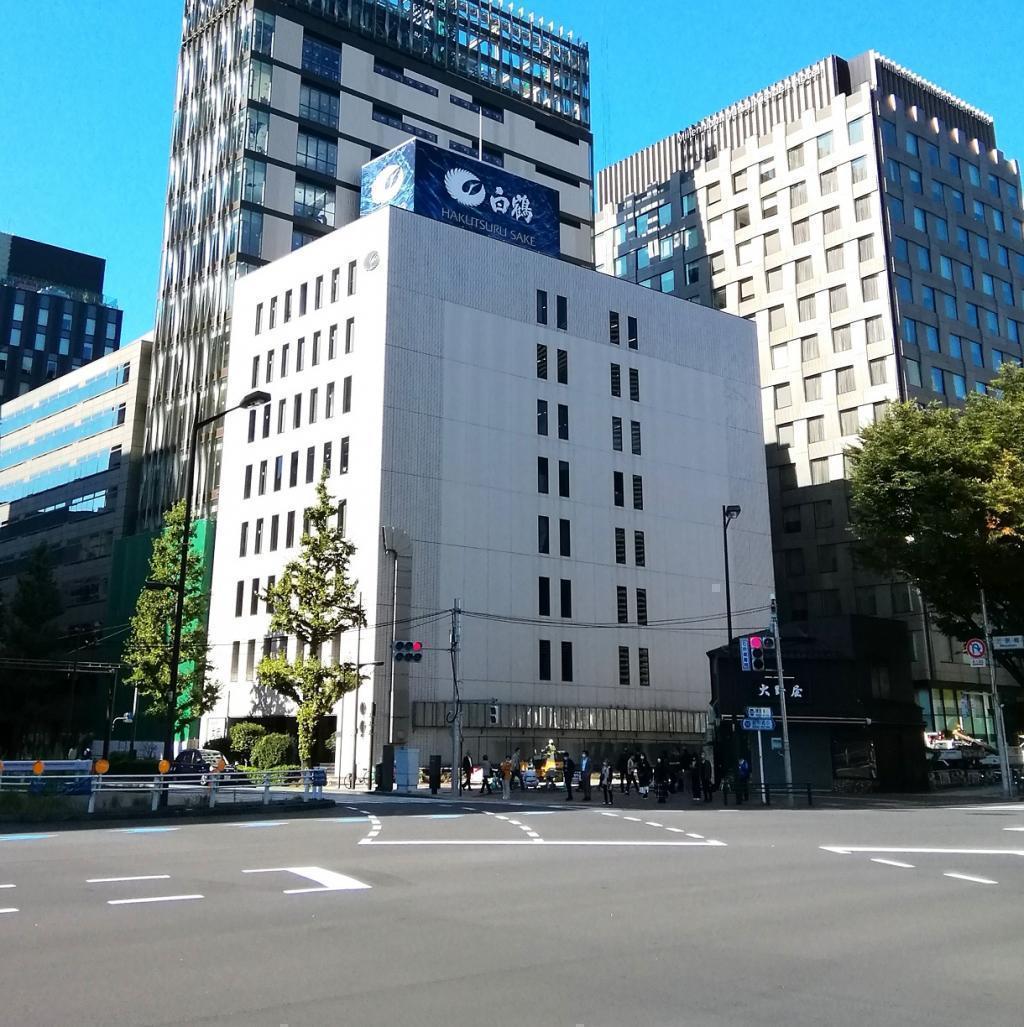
x=89, y=86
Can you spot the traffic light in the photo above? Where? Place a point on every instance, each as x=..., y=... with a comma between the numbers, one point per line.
x=756, y=653
x=411, y=652
x=494, y=715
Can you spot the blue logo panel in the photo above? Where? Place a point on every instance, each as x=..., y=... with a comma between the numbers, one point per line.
x=459, y=190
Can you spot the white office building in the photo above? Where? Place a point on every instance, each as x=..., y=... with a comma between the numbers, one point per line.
x=548, y=445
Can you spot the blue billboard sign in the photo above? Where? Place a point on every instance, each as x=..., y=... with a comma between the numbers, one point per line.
x=459, y=190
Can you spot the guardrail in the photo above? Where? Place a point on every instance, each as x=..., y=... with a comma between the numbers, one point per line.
x=105, y=792
x=756, y=791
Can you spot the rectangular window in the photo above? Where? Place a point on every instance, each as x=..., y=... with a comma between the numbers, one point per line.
x=623, y=664
x=567, y=661
x=543, y=535
x=563, y=421
x=343, y=455
x=542, y=307
x=877, y=372
x=638, y=492
x=620, y=545
x=809, y=348
x=321, y=59
x=565, y=597
x=562, y=367
x=634, y=385
x=613, y=327
x=327, y=458
x=329, y=401
x=617, y=434
x=318, y=105
x=812, y=387
x=293, y=469
x=634, y=435
x=314, y=395
x=289, y=530
x=837, y=299
x=239, y=598
x=247, y=485
x=618, y=488
x=842, y=339
x=235, y=654
x=563, y=478
x=257, y=541
x=544, y=597
x=641, y=606
x=564, y=537
x=346, y=394
x=250, y=659
x=542, y=475
x=278, y=472
x=562, y=313
x=317, y=154
x=542, y=361
x=783, y=396
x=632, y=339
x=350, y=279
x=622, y=604
x=262, y=488
x=862, y=208
x=544, y=659
x=801, y=231
x=819, y=471
x=845, y=381
x=260, y=78
x=834, y=259
x=848, y=422
x=616, y=381
x=542, y=417
x=310, y=464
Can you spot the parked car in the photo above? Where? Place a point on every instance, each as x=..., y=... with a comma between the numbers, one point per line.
x=201, y=762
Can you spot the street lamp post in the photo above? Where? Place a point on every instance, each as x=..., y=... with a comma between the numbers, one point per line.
x=253, y=399
x=729, y=514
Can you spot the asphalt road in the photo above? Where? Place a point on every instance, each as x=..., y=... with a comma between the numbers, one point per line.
x=392, y=912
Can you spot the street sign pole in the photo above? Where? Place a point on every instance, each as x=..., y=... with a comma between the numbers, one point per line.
x=786, y=757
x=760, y=765
x=1004, y=762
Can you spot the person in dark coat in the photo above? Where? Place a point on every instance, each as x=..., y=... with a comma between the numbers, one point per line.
x=644, y=773
x=743, y=780
x=467, y=770
x=623, y=768
x=705, y=778
x=695, y=779
x=585, y=772
x=568, y=769
x=661, y=775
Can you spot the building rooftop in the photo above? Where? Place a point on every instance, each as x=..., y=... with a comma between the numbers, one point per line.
x=40, y=264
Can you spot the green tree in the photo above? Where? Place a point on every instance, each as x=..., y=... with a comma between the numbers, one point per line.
x=147, y=652
x=313, y=600
x=33, y=700
x=937, y=498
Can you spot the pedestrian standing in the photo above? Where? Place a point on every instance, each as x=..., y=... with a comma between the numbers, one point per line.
x=467, y=770
x=705, y=778
x=631, y=781
x=506, y=778
x=585, y=775
x=622, y=766
x=644, y=775
x=568, y=769
x=485, y=767
x=517, y=769
x=661, y=780
x=743, y=780
x=695, y=779
x=606, y=782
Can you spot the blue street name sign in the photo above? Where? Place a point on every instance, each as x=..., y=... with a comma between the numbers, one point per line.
x=758, y=724
x=745, y=653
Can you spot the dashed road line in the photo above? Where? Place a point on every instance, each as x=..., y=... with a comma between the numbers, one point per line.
x=892, y=863
x=8, y=886
x=263, y=823
x=9, y=909
x=144, y=830
x=971, y=878
x=152, y=898
x=846, y=850
x=653, y=823
x=23, y=837
x=141, y=877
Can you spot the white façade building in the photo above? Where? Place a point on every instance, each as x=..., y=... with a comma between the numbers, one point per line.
x=548, y=445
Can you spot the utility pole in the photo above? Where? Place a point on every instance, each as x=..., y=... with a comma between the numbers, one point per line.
x=786, y=760
x=1004, y=762
x=355, y=704
x=456, y=717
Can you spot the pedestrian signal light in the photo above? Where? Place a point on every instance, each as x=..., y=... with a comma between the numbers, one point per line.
x=404, y=650
x=493, y=715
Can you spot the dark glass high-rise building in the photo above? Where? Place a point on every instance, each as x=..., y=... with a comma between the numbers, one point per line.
x=53, y=317
x=278, y=105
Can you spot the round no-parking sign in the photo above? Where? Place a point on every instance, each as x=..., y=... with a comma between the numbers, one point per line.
x=975, y=647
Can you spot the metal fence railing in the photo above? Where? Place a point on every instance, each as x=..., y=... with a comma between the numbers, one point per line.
x=99, y=793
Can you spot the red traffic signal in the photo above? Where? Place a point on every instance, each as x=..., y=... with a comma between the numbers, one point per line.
x=409, y=651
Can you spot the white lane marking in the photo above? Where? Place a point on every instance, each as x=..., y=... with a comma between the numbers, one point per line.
x=8, y=886
x=143, y=877
x=845, y=850
x=677, y=830
x=690, y=834
x=154, y=898
x=605, y=813
x=263, y=823
x=1013, y=828
x=533, y=834
x=710, y=843
x=9, y=909
x=636, y=820
x=892, y=863
x=328, y=880
x=969, y=877
x=653, y=823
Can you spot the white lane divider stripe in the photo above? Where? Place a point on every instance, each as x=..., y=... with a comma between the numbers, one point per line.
x=113, y=880
x=892, y=863
x=154, y=898
x=8, y=886
x=9, y=909
x=653, y=823
x=690, y=834
x=636, y=820
x=846, y=850
x=327, y=880
x=971, y=878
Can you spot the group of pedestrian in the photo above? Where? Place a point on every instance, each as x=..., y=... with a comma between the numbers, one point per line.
x=635, y=771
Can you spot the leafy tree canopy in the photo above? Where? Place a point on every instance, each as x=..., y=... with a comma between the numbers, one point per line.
x=952, y=483
x=313, y=600
x=148, y=649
